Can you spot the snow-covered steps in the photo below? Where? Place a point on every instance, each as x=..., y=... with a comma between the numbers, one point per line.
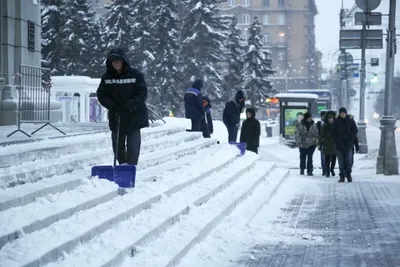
x=118, y=242
x=38, y=170
x=49, y=244
x=47, y=210
x=226, y=241
x=51, y=149
x=29, y=192
x=171, y=247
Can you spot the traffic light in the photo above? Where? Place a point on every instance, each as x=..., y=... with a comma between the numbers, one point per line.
x=375, y=78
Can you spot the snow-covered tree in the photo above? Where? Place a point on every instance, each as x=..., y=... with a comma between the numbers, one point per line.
x=203, y=38
x=79, y=31
x=97, y=51
x=118, y=25
x=54, y=19
x=233, y=79
x=257, y=67
x=142, y=42
x=165, y=31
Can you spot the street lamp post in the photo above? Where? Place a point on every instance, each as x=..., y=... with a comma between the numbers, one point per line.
x=387, y=162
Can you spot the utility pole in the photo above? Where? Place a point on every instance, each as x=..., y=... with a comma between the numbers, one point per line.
x=387, y=162
x=362, y=135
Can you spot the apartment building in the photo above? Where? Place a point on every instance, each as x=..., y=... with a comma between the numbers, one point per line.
x=288, y=32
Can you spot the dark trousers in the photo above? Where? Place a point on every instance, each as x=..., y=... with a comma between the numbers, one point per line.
x=252, y=149
x=323, y=163
x=345, y=159
x=205, y=129
x=306, y=158
x=232, y=133
x=128, y=147
x=330, y=162
x=196, y=125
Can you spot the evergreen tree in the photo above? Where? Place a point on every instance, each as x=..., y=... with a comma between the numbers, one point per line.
x=97, y=51
x=257, y=67
x=233, y=79
x=203, y=39
x=165, y=30
x=118, y=25
x=53, y=18
x=79, y=31
x=142, y=42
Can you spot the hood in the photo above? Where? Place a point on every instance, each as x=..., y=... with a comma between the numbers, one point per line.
x=348, y=116
x=332, y=113
x=116, y=54
x=206, y=98
x=198, y=84
x=239, y=95
x=252, y=111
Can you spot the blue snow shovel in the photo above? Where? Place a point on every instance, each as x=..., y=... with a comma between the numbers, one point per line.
x=123, y=175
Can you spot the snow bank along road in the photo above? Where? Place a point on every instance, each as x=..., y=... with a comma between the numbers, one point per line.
x=52, y=214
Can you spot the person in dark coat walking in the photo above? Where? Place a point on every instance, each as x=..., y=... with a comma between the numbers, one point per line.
x=123, y=91
x=207, y=123
x=194, y=109
x=327, y=145
x=319, y=127
x=251, y=131
x=231, y=115
x=344, y=132
x=306, y=137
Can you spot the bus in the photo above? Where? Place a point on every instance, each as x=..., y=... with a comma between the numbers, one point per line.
x=324, y=101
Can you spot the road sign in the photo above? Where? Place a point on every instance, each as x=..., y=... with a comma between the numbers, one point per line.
x=374, y=62
x=356, y=75
x=368, y=5
x=351, y=39
x=370, y=19
x=345, y=59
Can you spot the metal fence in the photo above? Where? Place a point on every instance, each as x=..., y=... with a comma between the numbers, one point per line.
x=34, y=98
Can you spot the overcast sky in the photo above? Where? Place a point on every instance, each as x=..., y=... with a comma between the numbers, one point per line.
x=327, y=28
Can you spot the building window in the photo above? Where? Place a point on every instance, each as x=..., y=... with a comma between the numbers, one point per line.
x=231, y=2
x=281, y=19
x=265, y=19
x=247, y=2
x=281, y=3
x=281, y=56
x=31, y=36
x=266, y=3
x=266, y=39
x=246, y=19
x=281, y=37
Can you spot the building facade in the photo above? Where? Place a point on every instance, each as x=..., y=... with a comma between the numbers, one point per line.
x=288, y=30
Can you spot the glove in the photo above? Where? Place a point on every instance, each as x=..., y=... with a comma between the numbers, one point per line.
x=120, y=110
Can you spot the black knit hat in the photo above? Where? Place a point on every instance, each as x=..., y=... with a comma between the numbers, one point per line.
x=198, y=84
x=342, y=110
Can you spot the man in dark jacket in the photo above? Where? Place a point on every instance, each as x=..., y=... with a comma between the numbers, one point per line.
x=207, y=123
x=251, y=131
x=319, y=127
x=344, y=132
x=123, y=91
x=231, y=115
x=194, y=109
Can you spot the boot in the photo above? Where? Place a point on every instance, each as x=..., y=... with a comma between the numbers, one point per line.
x=310, y=174
x=341, y=180
x=327, y=175
x=349, y=178
x=333, y=172
x=302, y=172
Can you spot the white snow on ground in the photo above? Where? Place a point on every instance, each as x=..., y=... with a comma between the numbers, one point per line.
x=242, y=231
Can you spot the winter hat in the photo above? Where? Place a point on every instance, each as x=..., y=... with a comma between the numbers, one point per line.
x=342, y=110
x=239, y=95
x=197, y=84
x=307, y=115
x=252, y=111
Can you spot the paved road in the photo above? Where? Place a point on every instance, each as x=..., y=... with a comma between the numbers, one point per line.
x=349, y=225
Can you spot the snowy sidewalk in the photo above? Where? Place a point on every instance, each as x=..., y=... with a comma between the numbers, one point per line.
x=48, y=132
x=336, y=225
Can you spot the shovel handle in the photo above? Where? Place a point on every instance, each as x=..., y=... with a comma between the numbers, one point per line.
x=117, y=141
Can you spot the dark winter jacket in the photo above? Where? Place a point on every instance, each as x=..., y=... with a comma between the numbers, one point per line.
x=356, y=145
x=344, y=132
x=123, y=93
x=209, y=115
x=194, y=101
x=306, y=134
x=326, y=141
x=232, y=110
x=251, y=131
